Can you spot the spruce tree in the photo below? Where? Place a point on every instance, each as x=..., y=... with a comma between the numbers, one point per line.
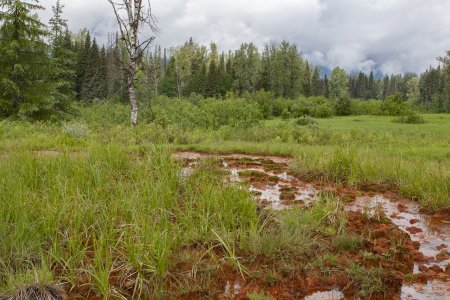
x=62, y=53
x=169, y=81
x=82, y=64
x=316, y=83
x=371, y=92
x=307, y=81
x=326, y=87
x=27, y=84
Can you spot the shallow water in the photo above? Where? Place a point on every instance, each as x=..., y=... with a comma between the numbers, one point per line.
x=327, y=295
x=232, y=288
x=432, y=233
x=433, y=290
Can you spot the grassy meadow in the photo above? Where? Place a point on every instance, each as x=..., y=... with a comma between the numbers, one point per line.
x=100, y=210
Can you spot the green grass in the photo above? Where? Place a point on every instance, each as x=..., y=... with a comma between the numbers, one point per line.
x=361, y=151
x=85, y=217
x=104, y=207
x=116, y=224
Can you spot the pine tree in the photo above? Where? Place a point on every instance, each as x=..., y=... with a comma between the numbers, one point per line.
x=371, y=88
x=446, y=85
x=82, y=64
x=89, y=87
x=307, y=81
x=213, y=77
x=316, y=83
x=169, y=81
x=386, y=83
x=62, y=53
x=361, y=86
x=26, y=70
x=326, y=87
x=226, y=81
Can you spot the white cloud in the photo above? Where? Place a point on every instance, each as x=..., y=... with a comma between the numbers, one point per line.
x=390, y=35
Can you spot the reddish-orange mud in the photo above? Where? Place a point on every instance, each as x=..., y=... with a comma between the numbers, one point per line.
x=427, y=237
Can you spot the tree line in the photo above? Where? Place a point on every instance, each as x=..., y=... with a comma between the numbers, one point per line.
x=43, y=68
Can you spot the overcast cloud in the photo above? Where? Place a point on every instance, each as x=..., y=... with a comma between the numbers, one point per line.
x=392, y=36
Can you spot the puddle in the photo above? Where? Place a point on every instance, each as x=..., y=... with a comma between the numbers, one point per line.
x=272, y=186
x=232, y=288
x=432, y=234
x=327, y=295
x=433, y=290
x=275, y=188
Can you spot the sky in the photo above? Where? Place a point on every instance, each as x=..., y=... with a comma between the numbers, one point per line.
x=387, y=36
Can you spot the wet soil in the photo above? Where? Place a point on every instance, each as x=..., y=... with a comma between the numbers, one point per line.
x=423, y=268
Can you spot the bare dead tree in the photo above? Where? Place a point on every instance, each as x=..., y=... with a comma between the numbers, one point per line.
x=131, y=16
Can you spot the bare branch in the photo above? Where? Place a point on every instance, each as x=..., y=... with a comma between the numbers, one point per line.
x=129, y=30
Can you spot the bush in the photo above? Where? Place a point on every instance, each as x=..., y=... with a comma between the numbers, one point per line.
x=264, y=101
x=279, y=106
x=233, y=112
x=305, y=121
x=322, y=111
x=343, y=107
x=76, y=129
x=286, y=114
x=393, y=106
x=317, y=107
x=180, y=112
x=410, y=118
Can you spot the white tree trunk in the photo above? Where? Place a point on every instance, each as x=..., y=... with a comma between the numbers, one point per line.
x=129, y=29
x=132, y=95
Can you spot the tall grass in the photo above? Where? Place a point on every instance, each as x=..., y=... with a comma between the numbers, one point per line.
x=422, y=180
x=109, y=220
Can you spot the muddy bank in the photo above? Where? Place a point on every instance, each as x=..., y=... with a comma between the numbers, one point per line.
x=269, y=179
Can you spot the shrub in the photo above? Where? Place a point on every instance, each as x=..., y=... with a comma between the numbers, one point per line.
x=264, y=101
x=279, y=106
x=317, y=107
x=233, y=112
x=286, y=115
x=305, y=121
x=393, y=106
x=180, y=112
x=76, y=129
x=343, y=106
x=410, y=118
x=322, y=111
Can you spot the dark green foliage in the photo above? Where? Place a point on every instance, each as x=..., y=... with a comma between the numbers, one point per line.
x=30, y=87
x=169, y=82
x=62, y=53
x=393, y=106
x=38, y=80
x=307, y=81
x=231, y=112
x=264, y=101
x=343, y=106
x=316, y=83
x=94, y=80
x=305, y=121
x=410, y=118
x=445, y=83
x=286, y=115
x=212, y=80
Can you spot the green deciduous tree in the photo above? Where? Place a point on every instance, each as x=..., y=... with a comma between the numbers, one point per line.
x=338, y=82
x=246, y=68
